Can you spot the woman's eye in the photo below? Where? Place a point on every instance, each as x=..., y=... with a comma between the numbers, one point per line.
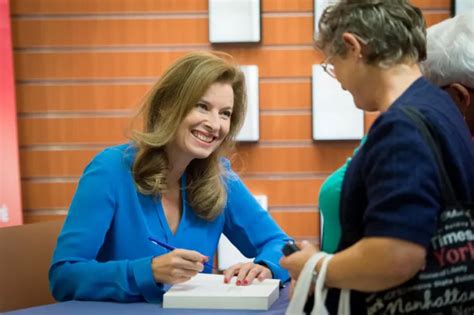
x=227, y=114
x=202, y=105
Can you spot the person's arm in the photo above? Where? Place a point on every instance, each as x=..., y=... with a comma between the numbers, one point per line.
x=403, y=201
x=75, y=272
x=252, y=230
x=375, y=264
x=372, y=264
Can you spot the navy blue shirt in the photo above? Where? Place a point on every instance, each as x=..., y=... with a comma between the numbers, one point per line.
x=391, y=188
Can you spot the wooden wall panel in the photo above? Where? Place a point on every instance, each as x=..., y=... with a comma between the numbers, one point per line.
x=434, y=18
x=98, y=97
x=140, y=6
x=285, y=127
x=284, y=192
x=42, y=98
x=35, y=218
x=106, y=6
x=179, y=31
x=285, y=94
x=285, y=6
x=298, y=224
x=320, y=158
x=51, y=164
x=432, y=4
x=47, y=195
x=29, y=7
x=88, y=130
x=289, y=30
x=93, y=32
x=144, y=64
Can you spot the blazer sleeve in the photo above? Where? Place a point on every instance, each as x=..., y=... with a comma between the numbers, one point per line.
x=251, y=229
x=75, y=272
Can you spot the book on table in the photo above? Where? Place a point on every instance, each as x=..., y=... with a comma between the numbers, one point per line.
x=208, y=291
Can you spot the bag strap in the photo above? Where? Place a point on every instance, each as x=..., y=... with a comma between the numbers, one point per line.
x=426, y=130
x=320, y=291
x=305, y=279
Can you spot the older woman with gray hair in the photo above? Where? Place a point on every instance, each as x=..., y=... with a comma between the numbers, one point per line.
x=391, y=196
x=450, y=61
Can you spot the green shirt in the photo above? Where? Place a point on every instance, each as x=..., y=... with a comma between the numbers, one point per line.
x=329, y=202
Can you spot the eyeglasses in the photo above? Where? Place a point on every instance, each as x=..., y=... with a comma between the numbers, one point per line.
x=328, y=67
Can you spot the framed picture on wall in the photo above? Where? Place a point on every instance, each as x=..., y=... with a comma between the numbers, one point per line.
x=335, y=116
x=251, y=128
x=235, y=21
x=319, y=6
x=461, y=6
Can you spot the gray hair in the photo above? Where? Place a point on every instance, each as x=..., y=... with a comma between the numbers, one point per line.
x=451, y=51
x=392, y=31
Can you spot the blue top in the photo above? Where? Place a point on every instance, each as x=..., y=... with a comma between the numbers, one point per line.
x=391, y=187
x=103, y=251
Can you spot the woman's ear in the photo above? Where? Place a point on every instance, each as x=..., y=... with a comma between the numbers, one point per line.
x=352, y=44
x=460, y=95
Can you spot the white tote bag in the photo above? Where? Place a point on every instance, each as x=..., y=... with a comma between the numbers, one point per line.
x=303, y=284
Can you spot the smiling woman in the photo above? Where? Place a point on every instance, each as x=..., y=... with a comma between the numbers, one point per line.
x=185, y=90
x=204, y=129
x=171, y=184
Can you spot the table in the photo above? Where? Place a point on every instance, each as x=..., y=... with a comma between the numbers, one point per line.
x=113, y=308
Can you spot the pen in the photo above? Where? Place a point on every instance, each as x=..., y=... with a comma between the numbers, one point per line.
x=170, y=248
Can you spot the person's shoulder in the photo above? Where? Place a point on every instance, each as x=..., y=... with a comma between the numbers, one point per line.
x=228, y=172
x=116, y=156
x=225, y=163
x=392, y=133
x=388, y=122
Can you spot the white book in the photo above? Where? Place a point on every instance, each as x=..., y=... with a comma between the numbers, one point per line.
x=208, y=291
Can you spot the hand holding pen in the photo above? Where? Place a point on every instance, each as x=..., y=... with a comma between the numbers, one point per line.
x=178, y=265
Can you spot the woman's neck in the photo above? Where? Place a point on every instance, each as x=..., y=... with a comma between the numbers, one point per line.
x=174, y=175
x=391, y=83
x=176, y=167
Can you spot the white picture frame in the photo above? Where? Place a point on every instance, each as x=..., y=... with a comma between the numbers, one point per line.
x=462, y=6
x=335, y=116
x=319, y=7
x=234, y=21
x=250, y=131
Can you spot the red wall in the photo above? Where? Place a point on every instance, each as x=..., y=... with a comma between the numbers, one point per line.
x=10, y=201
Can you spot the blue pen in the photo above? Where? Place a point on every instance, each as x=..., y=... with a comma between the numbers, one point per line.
x=170, y=248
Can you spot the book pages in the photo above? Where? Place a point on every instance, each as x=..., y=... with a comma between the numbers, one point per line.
x=208, y=291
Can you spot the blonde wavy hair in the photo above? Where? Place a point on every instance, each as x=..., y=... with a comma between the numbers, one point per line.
x=166, y=105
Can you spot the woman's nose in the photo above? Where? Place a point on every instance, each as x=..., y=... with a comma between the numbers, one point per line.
x=212, y=122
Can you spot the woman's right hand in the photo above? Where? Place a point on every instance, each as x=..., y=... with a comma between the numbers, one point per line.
x=177, y=266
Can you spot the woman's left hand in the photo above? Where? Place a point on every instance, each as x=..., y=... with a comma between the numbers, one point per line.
x=246, y=273
x=295, y=262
